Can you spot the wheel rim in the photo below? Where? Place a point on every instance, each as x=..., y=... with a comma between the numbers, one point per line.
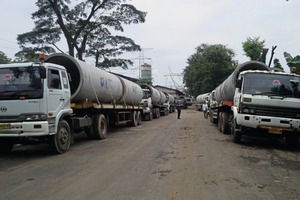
x=64, y=137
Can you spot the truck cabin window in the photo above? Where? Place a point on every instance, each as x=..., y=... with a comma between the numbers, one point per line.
x=54, y=80
x=20, y=82
x=272, y=85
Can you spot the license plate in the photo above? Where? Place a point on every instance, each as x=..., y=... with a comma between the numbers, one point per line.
x=5, y=126
x=275, y=130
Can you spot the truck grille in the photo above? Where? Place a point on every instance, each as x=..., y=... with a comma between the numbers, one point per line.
x=293, y=113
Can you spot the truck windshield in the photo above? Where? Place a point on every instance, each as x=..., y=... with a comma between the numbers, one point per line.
x=272, y=85
x=20, y=82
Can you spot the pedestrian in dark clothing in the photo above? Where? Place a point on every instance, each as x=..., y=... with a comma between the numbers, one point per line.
x=178, y=107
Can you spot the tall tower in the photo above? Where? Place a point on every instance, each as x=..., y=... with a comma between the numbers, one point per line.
x=146, y=73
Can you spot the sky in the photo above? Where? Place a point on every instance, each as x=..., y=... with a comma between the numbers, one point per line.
x=174, y=28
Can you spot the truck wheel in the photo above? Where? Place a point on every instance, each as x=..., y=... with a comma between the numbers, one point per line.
x=236, y=134
x=157, y=113
x=99, y=127
x=61, y=141
x=139, y=118
x=134, y=118
x=5, y=146
x=225, y=123
x=150, y=116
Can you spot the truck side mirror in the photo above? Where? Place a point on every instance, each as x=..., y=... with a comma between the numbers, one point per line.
x=42, y=72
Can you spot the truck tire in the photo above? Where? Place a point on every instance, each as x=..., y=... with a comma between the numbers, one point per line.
x=61, y=141
x=5, y=146
x=139, y=118
x=150, y=116
x=225, y=123
x=134, y=118
x=99, y=127
x=158, y=113
x=236, y=134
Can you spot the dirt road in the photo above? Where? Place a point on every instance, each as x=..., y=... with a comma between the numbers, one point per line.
x=165, y=159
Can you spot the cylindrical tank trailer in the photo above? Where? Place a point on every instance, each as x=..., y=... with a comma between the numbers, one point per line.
x=202, y=98
x=157, y=97
x=225, y=91
x=96, y=85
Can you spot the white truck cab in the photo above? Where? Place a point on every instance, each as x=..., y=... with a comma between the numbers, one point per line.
x=33, y=98
x=269, y=101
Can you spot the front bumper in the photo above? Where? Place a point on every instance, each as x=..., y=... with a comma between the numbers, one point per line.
x=24, y=129
x=267, y=122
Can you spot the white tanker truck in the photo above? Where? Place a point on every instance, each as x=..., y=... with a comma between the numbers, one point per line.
x=201, y=99
x=52, y=100
x=256, y=101
x=153, y=103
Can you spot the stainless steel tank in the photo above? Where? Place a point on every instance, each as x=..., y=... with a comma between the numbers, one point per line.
x=169, y=98
x=202, y=98
x=93, y=84
x=225, y=91
x=157, y=97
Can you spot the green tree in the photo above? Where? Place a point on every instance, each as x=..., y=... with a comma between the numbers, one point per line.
x=292, y=61
x=207, y=68
x=4, y=59
x=87, y=28
x=277, y=65
x=254, y=49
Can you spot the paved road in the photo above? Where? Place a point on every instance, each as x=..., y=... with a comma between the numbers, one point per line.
x=165, y=159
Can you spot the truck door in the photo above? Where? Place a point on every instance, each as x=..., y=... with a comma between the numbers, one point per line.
x=58, y=92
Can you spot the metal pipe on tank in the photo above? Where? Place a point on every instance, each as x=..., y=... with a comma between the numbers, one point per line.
x=225, y=91
x=94, y=84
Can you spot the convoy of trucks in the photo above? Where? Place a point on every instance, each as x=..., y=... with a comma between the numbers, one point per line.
x=254, y=100
x=154, y=103
x=48, y=102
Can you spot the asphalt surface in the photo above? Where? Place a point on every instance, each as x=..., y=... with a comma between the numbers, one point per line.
x=162, y=159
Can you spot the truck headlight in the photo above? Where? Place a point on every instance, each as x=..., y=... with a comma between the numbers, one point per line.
x=248, y=111
x=35, y=117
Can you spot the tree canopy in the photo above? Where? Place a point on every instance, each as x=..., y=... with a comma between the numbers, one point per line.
x=208, y=67
x=87, y=27
x=254, y=49
x=292, y=61
x=3, y=58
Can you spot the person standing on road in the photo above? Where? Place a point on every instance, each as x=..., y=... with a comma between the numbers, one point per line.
x=178, y=107
x=205, y=109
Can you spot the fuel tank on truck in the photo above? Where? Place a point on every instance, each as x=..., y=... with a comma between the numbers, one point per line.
x=163, y=97
x=157, y=96
x=170, y=98
x=225, y=91
x=202, y=98
x=94, y=84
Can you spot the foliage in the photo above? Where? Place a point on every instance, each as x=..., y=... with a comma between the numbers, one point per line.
x=87, y=28
x=277, y=65
x=292, y=61
x=254, y=49
x=3, y=58
x=207, y=68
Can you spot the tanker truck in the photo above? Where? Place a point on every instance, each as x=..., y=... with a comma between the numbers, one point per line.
x=170, y=102
x=256, y=101
x=153, y=103
x=200, y=100
x=50, y=101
